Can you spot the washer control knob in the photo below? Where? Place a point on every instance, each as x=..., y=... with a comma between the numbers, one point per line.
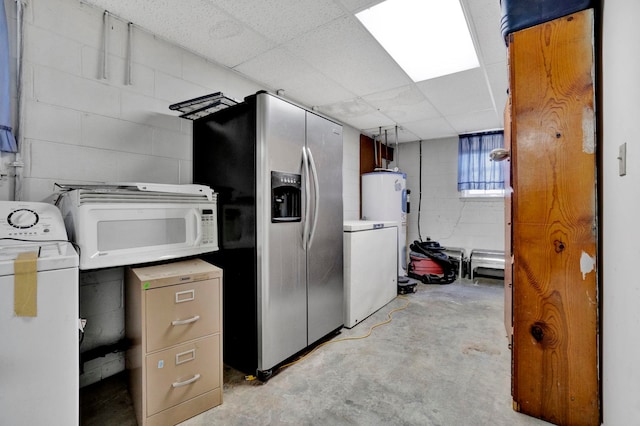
x=23, y=218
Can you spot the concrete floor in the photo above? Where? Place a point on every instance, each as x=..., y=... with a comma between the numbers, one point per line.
x=443, y=360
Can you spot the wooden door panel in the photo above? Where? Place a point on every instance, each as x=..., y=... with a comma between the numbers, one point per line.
x=555, y=344
x=508, y=240
x=555, y=302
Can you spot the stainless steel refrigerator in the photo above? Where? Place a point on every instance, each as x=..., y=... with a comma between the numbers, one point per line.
x=277, y=168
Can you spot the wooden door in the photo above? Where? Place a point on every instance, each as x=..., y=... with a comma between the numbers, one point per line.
x=555, y=299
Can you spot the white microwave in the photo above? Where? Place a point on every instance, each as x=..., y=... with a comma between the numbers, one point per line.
x=128, y=224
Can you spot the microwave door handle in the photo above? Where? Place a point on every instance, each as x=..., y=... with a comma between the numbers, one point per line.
x=307, y=200
x=198, y=237
x=316, y=198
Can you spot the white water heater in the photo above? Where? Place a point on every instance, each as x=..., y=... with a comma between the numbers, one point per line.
x=384, y=197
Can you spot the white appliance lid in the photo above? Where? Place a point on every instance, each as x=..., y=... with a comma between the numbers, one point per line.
x=144, y=187
x=186, y=188
x=386, y=172
x=51, y=256
x=364, y=225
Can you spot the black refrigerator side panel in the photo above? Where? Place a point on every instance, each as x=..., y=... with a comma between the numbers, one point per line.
x=224, y=152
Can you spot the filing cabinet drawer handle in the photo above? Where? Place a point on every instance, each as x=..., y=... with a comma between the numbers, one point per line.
x=186, y=321
x=185, y=296
x=180, y=358
x=186, y=382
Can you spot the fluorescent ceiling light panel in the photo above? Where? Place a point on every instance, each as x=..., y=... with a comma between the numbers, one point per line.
x=427, y=38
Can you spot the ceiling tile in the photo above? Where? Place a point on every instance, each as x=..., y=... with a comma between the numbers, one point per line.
x=493, y=48
x=404, y=135
x=485, y=20
x=356, y=113
x=281, y=70
x=348, y=109
x=430, y=129
x=369, y=120
x=402, y=104
x=498, y=79
x=344, y=51
x=281, y=20
x=359, y=5
x=475, y=121
x=457, y=93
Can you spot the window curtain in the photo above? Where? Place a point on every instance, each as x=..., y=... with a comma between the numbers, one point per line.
x=475, y=169
x=7, y=140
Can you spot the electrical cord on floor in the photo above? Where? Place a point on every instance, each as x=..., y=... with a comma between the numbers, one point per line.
x=420, y=192
x=387, y=321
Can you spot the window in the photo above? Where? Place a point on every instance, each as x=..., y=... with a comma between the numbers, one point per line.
x=478, y=176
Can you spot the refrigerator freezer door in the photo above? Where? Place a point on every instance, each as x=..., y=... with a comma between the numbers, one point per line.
x=324, y=257
x=282, y=293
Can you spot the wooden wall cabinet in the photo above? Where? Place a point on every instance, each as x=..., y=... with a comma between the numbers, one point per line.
x=552, y=221
x=368, y=150
x=174, y=323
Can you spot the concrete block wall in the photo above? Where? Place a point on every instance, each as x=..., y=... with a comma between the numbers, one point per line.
x=445, y=217
x=79, y=127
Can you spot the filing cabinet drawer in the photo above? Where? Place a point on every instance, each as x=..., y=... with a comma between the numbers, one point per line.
x=181, y=373
x=177, y=313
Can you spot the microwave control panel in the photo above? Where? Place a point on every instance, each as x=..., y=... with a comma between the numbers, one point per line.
x=31, y=221
x=209, y=231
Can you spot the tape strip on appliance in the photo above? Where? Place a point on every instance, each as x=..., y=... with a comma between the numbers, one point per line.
x=25, y=284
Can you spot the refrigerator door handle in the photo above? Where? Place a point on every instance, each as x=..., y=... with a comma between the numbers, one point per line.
x=307, y=200
x=316, y=187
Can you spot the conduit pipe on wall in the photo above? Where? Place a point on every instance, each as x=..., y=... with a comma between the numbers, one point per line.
x=386, y=154
x=397, y=157
x=420, y=190
x=18, y=164
x=375, y=152
x=375, y=148
x=105, y=44
x=128, y=80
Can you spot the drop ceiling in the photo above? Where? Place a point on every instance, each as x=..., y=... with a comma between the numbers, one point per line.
x=322, y=57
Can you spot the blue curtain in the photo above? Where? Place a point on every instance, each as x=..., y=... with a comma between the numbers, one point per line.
x=7, y=141
x=475, y=169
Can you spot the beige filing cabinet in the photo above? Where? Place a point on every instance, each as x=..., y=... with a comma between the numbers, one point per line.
x=174, y=323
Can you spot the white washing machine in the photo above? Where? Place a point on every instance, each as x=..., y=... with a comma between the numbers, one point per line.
x=39, y=359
